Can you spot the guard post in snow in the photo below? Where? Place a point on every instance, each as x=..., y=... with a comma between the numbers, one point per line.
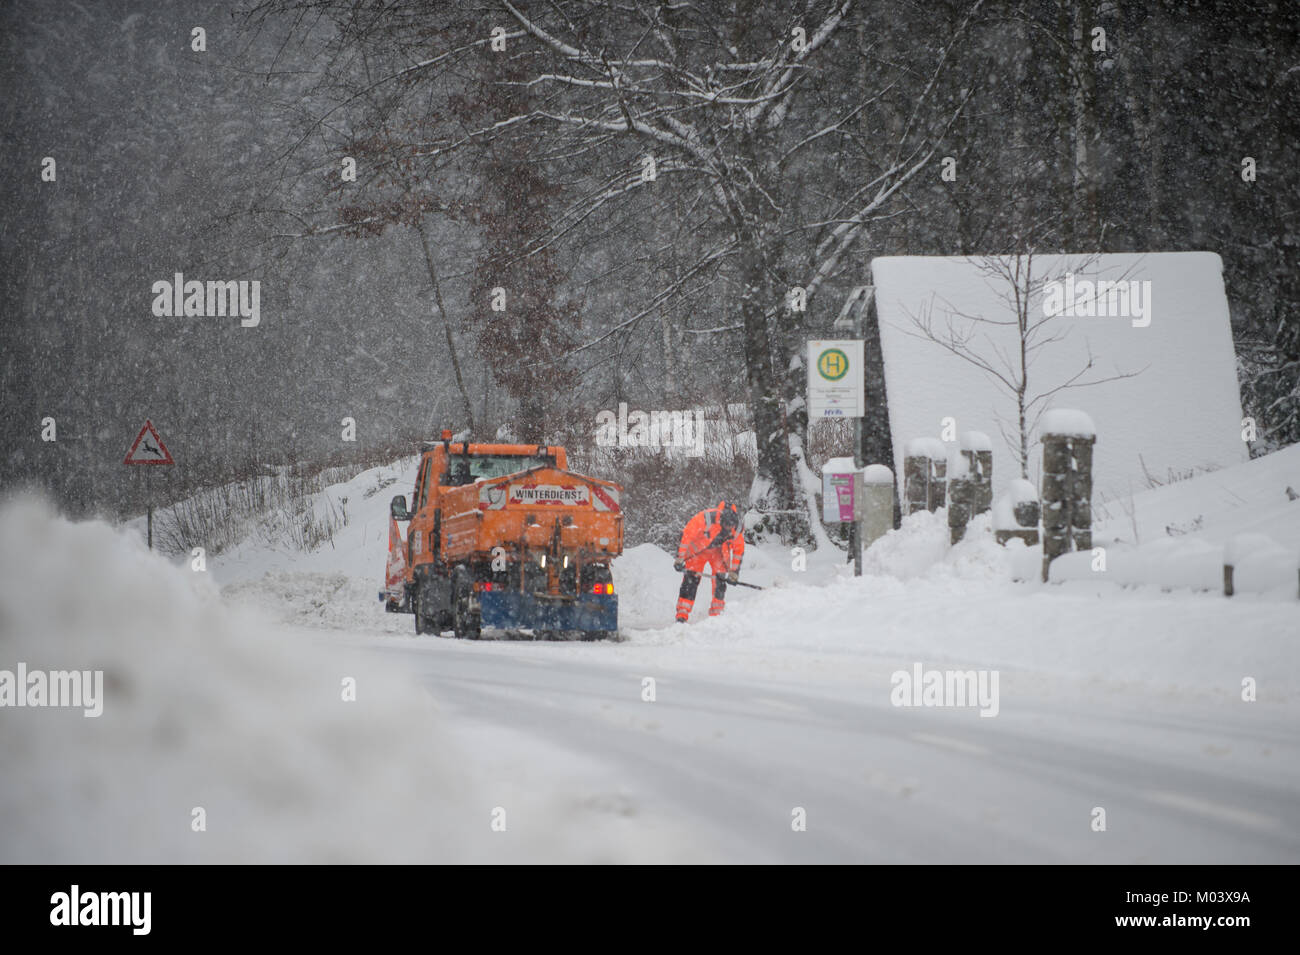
x=1266, y=562
x=1068, y=440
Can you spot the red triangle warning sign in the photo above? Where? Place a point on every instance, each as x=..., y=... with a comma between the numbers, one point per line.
x=148, y=448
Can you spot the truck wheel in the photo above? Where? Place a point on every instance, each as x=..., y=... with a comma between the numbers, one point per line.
x=465, y=622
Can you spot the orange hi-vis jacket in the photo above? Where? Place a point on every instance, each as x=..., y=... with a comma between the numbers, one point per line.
x=698, y=547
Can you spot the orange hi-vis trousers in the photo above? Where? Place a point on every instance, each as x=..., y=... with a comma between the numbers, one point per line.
x=691, y=583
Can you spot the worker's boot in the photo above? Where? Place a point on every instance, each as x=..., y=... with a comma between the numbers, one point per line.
x=686, y=595
x=684, y=609
x=719, y=593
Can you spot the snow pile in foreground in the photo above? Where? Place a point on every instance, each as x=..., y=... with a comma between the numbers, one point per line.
x=206, y=706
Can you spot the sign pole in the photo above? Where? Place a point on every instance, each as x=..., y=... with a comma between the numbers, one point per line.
x=837, y=388
x=855, y=529
x=147, y=449
x=856, y=547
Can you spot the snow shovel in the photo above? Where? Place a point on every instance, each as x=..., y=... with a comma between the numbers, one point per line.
x=738, y=583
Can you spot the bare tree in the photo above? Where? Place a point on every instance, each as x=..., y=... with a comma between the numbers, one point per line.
x=780, y=139
x=712, y=107
x=1007, y=357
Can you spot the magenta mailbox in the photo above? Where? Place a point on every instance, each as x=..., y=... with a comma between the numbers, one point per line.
x=841, y=483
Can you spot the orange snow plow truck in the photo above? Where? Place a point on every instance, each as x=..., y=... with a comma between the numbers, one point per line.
x=504, y=536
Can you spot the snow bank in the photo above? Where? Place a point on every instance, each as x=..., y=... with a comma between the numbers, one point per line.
x=920, y=548
x=647, y=585
x=963, y=612
x=357, y=550
x=1185, y=563
x=1260, y=565
x=1243, y=547
x=210, y=707
x=1247, y=498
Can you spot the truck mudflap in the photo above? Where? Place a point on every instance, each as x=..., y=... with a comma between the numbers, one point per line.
x=510, y=610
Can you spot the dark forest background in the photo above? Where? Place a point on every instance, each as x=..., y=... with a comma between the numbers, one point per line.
x=790, y=142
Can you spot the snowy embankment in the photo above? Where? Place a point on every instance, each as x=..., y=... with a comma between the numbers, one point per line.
x=212, y=714
x=1182, y=534
x=225, y=689
x=976, y=604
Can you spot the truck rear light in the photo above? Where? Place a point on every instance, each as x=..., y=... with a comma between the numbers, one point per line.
x=602, y=588
x=481, y=585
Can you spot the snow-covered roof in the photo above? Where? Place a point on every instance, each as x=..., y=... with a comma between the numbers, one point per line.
x=1172, y=403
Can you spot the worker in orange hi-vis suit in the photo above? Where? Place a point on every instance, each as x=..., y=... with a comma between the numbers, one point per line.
x=713, y=539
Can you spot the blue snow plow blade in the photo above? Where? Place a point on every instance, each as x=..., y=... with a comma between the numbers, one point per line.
x=505, y=610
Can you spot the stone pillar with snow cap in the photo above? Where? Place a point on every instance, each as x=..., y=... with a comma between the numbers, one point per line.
x=924, y=472
x=1016, y=513
x=938, y=473
x=876, y=514
x=1068, y=439
x=977, y=449
x=960, y=492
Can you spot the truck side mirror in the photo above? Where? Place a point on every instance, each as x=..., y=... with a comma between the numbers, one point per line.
x=398, y=508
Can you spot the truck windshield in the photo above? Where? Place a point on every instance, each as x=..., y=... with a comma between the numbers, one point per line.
x=476, y=467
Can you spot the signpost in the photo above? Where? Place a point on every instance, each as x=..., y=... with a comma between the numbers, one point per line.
x=148, y=448
x=836, y=390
